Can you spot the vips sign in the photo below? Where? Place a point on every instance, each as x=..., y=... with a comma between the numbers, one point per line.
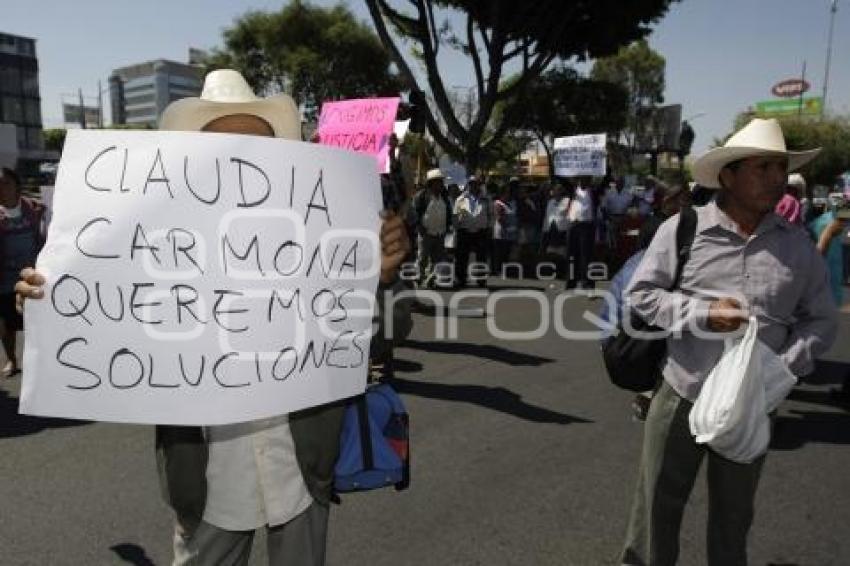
x=790, y=88
x=202, y=279
x=578, y=156
x=362, y=125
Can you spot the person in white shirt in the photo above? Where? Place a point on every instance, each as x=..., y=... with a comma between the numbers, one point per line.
x=582, y=234
x=556, y=210
x=505, y=227
x=472, y=218
x=556, y=227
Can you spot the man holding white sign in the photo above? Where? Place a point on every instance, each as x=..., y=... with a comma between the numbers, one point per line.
x=281, y=242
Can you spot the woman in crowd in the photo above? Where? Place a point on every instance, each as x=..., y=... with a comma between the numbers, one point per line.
x=505, y=228
x=826, y=229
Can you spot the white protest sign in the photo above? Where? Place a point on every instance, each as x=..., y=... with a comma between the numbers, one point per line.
x=199, y=278
x=579, y=156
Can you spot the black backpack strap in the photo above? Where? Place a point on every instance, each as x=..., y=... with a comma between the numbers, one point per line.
x=365, y=432
x=685, y=231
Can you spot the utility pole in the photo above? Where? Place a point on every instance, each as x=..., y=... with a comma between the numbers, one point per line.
x=82, y=109
x=803, y=79
x=832, y=9
x=99, y=105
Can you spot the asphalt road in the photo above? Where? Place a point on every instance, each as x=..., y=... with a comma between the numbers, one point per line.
x=523, y=454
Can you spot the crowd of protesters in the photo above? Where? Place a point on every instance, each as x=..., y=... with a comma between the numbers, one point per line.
x=224, y=482
x=513, y=227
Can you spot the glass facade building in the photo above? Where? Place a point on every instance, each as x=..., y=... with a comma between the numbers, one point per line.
x=20, y=101
x=139, y=93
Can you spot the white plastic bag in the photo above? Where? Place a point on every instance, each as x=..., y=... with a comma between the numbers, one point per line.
x=778, y=379
x=731, y=411
x=449, y=239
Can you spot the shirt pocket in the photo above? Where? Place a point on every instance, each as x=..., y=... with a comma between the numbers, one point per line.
x=781, y=289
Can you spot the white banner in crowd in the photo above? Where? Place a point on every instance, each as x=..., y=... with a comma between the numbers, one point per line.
x=400, y=129
x=579, y=156
x=202, y=279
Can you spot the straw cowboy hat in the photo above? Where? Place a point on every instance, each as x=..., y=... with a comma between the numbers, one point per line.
x=226, y=92
x=433, y=175
x=758, y=138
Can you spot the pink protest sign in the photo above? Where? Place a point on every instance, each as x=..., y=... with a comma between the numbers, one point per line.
x=363, y=125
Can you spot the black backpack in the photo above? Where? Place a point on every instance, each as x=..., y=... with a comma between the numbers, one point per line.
x=635, y=363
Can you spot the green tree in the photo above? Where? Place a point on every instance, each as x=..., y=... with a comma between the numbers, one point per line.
x=640, y=71
x=54, y=139
x=421, y=152
x=563, y=103
x=503, y=157
x=498, y=36
x=312, y=53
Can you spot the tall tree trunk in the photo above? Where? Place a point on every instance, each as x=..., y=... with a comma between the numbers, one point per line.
x=550, y=155
x=472, y=159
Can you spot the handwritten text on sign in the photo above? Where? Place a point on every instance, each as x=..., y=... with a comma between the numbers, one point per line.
x=577, y=156
x=362, y=125
x=197, y=278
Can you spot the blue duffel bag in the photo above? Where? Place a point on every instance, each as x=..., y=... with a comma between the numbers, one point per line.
x=374, y=446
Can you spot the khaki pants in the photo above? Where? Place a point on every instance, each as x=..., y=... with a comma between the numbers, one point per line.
x=300, y=542
x=432, y=250
x=669, y=466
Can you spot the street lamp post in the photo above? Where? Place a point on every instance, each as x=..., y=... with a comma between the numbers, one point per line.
x=833, y=9
x=81, y=101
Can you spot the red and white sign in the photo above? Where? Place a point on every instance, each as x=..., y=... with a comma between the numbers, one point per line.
x=790, y=88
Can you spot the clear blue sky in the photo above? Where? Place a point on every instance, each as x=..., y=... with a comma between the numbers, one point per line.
x=722, y=55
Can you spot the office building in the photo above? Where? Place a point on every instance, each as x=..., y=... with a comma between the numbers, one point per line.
x=139, y=93
x=20, y=101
